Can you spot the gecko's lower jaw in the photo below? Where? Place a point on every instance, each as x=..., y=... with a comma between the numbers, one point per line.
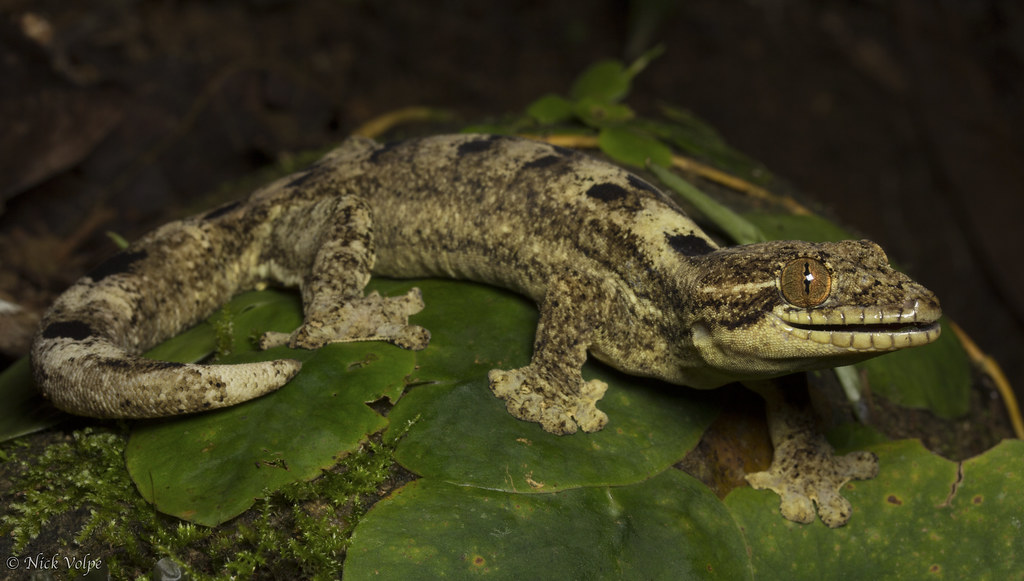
x=877, y=337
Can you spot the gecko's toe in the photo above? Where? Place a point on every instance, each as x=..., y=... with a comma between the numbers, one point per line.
x=413, y=301
x=272, y=339
x=556, y=420
x=412, y=337
x=589, y=418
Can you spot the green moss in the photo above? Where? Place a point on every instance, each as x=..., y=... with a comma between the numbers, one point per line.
x=224, y=331
x=79, y=482
x=76, y=496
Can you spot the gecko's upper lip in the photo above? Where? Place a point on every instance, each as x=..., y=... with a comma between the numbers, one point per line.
x=864, y=329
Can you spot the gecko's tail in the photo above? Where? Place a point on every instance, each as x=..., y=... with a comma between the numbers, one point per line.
x=94, y=377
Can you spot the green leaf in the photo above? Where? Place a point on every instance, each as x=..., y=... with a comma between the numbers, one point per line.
x=209, y=467
x=24, y=410
x=244, y=318
x=809, y=227
x=670, y=527
x=118, y=240
x=473, y=327
x=609, y=81
x=936, y=376
x=916, y=520
x=633, y=148
x=694, y=137
x=651, y=426
x=990, y=511
x=605, y=81
x=690, y=133
x=598, y=114
x=550, y=109
x=254, y=313
x=637, y=66
x=733, y=224
x=189, y=346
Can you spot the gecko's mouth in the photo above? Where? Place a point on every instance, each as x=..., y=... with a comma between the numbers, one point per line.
x=862, y=331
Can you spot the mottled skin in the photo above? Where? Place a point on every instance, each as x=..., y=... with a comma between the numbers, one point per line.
x=616, y=269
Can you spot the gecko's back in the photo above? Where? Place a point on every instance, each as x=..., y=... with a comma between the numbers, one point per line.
x=508, y=211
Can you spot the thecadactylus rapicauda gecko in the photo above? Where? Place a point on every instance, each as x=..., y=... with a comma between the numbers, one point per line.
x=616, y=268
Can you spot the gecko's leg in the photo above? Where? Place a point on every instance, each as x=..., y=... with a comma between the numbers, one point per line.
x=551, y=390
x=334, y=308
x=805, y=470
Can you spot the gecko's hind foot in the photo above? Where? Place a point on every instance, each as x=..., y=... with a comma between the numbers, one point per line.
x=530, y=397
x=370, y=318
x=816, y=478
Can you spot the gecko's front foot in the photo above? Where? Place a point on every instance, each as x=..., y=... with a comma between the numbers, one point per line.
x=370, y=318
x=559, y=409
x=805, y=472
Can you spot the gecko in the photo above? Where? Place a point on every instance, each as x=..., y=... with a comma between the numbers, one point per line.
x=619, y=272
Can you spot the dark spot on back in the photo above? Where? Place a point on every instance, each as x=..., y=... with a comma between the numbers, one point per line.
x=117, y=264
x=218, y=212
x=607, y=192
x=545, y=161
x=688, y=244
x=640, y=184
x=477, y=145
x=74, y=330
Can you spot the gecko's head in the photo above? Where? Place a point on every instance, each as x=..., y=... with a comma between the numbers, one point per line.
x=777, y=307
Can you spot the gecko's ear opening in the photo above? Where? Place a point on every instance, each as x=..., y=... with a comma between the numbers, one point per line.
x=805, y=282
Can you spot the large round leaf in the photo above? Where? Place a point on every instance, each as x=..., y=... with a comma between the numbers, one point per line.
x=920, y=518
x=472, y=327
x=464, y=435
x=210, y=467
x=670, y=527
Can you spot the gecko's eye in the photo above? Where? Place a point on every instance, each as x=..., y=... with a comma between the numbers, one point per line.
x=805, y=282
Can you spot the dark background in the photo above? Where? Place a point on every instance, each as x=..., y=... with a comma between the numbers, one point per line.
x=903, y=118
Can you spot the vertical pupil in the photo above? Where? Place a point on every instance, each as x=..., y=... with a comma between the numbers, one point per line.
x=808, y=277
